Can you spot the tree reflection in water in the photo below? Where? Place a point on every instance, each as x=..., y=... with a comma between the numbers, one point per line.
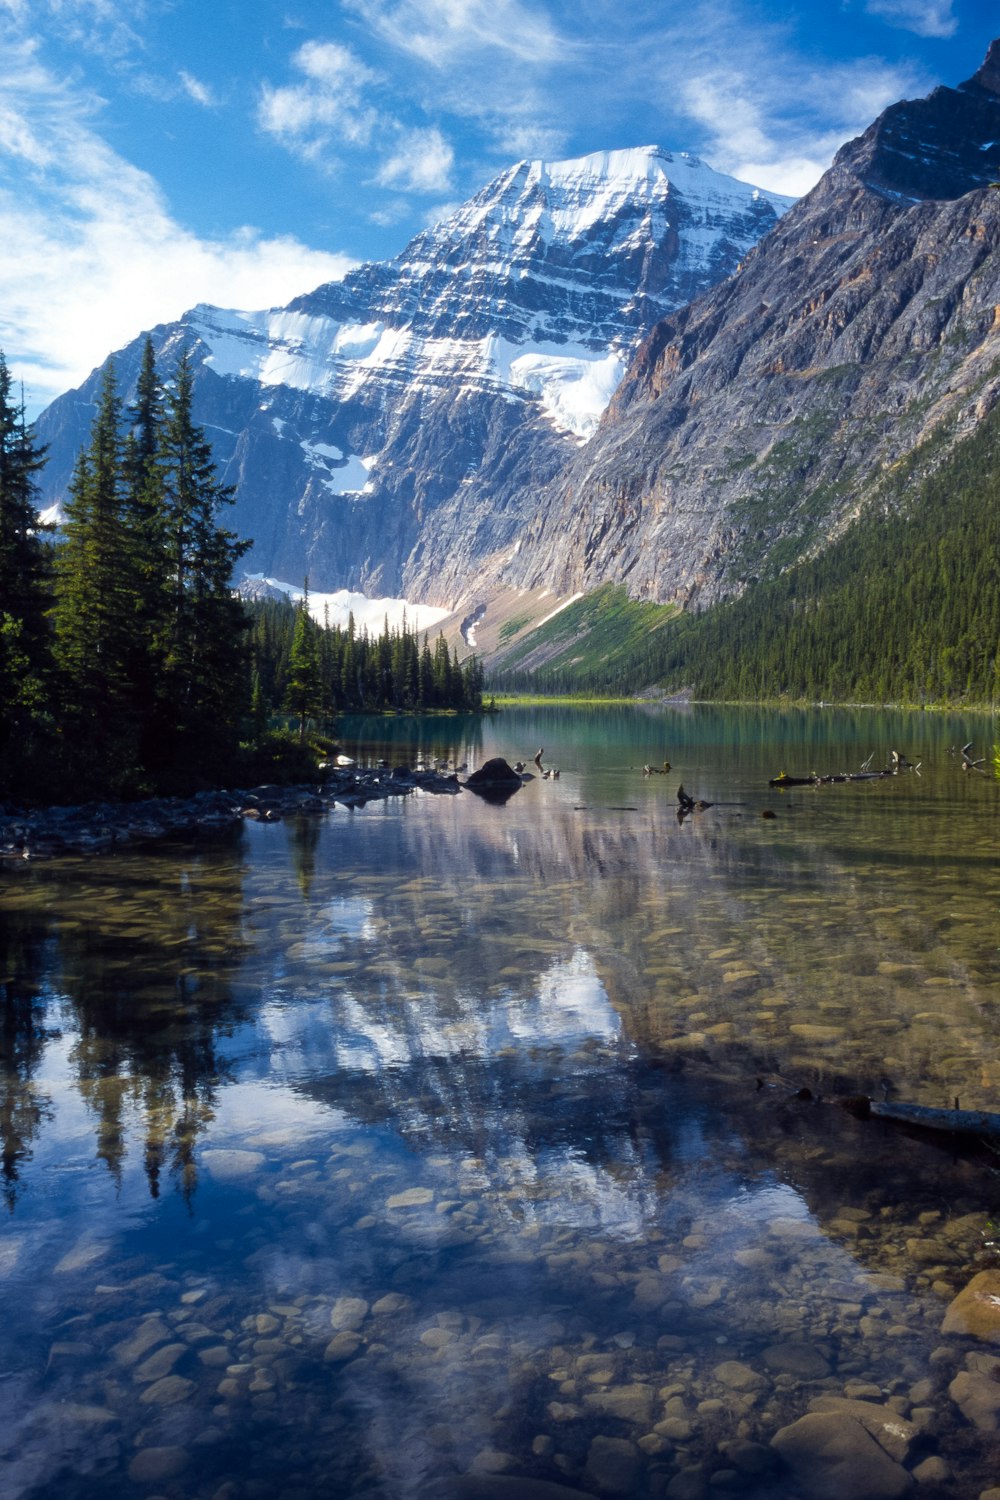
x=23, y=964
x=147, y=1031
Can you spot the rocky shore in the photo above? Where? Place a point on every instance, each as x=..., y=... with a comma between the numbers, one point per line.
x=797, y=1374
x=100, y=827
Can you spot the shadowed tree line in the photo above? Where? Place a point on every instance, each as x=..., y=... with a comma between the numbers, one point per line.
x=128, y=666
x=122, y=647
x=315, y=671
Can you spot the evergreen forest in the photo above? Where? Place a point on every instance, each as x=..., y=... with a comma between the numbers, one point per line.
x=128, y=664
x=903, y=607
x=313, y=671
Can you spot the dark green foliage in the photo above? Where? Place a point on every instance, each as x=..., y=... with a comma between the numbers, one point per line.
x=304, y=695
x=24, y=659
x=152, y=687
x=312, y=670
x=904, y=607
x=96, y=590
x=201, y=649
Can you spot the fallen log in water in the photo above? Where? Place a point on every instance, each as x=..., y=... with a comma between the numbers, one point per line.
x=978, y=1122
x=979, y=1125
x=900, y=763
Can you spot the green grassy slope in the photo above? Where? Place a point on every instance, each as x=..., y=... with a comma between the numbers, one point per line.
x=905, y=606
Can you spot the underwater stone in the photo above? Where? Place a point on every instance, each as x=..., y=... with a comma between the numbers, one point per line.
x=341, y=1347
x=831, y=1456
x=229, y=1165
x=629, y=1403
x=802, y=1360
x=160, y=1363
x=738, y=1377
x=167, y=1392
x=613, y=1465
x=976, y=1309
x=150, y=1465
x=412, y=1198
x=348, y=1313
x=151, y=1332
x=977, y=1397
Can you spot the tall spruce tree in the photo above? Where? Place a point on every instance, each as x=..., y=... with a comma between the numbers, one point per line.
x=146, y=521
x=96, y=590
x=204, y=678
x=304, y=692
x=23, y=590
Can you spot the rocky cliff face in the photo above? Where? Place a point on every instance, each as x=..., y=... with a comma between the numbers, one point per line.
x=755, y=423
x=390, y=432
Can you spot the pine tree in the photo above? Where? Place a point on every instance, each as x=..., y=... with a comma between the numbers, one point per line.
x=146, y=522
x=94, y=609
x=23, y=587
x=304, y=693
x=203, y=647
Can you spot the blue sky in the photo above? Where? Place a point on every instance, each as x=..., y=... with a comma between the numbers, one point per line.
x=159, y=153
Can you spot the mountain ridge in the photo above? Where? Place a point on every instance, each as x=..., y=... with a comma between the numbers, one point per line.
x=755, y=423
x=388, y=430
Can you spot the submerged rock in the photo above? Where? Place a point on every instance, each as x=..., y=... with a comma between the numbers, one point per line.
x=495, y=780
x=976, y=1393
x=832, y=1456
x=976, y=1309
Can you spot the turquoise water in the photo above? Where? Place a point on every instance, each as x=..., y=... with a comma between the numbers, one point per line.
x=437, y=1146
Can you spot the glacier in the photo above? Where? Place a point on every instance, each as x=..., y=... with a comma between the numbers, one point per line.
x=388, y=432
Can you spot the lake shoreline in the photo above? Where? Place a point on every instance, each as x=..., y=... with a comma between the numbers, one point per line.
x=57, y=831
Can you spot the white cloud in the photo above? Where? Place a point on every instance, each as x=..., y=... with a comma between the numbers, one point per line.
x=330, y=111
x=196, y=90
x=327, y=109
x=108, y=28
x=753, y=140
x=439, y=31
x=92, y=254
x=421, y=163
x=924, y=17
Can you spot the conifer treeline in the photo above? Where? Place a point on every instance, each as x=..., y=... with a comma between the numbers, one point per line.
x=127, y=663
x=315, y=671
x=904, y=607
x=124, y=649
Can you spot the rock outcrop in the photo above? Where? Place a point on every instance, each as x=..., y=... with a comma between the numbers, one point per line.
x=390, y=432
x=755, y=423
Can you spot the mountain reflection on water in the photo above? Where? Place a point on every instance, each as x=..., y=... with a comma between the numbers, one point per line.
x=358, y=1154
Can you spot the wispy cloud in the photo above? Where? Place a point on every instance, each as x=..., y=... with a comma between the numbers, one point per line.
x=751, y=138
x=439, y=31
x=923, y=17
x=196, y=90
x=76, y=215
x=327, y=108
x=718, y=78
x=111, y=29
x=421, y=163
x=335, y=106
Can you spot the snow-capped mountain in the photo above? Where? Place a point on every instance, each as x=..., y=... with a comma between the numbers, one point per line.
x=388, y=431
x=862, y=334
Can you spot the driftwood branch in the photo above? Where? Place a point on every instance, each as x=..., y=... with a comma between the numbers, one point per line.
x=979, y=1122
x=981, y=1125
x=897, y=763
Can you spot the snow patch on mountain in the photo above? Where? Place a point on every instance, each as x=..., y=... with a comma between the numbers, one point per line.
x=370, y=615
x=572, y=383
x=521, y=236
x=346, y=474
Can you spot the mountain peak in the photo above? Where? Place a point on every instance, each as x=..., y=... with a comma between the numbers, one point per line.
x=936, y=148
x=988, y=76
